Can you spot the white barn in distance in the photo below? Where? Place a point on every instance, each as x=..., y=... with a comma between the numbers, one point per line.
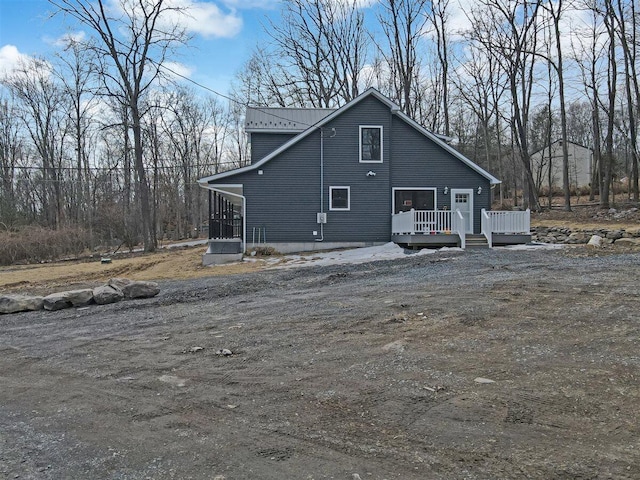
x=580, y=165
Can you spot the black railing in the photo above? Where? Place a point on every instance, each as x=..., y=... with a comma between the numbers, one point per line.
x=225, y=220
x=221, y=227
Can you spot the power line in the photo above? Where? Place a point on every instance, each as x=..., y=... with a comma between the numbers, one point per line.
x=122, y=169
x=231, y=99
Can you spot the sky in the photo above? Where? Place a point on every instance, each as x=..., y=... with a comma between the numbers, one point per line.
x=225, y=32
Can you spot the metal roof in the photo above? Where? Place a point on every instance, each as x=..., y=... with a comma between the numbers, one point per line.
x=283, y=120
x=395, y=109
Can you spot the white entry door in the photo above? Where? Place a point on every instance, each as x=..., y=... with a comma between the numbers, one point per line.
x=462, y=199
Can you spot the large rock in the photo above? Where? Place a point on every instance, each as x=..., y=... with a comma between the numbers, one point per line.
x=578, y=237
x=107, y=294
x=20, y=303
x=71, y=298
x=628, y=242
x=595, y=241
x=119, y=283
x=56, y=301
x=134, y=288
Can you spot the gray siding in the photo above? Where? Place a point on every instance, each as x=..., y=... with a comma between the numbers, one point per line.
x=420, y=162
x=286, y=196
x=262, y=144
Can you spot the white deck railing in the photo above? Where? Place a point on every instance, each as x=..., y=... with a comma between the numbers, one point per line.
x=427, y=222
x=422, y=221
x=485, y=227
x=459, y=228
x=507, y=222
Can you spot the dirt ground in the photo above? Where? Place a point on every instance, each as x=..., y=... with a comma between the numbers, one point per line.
x=372, y=371
x=186, y=263
x=474, y=365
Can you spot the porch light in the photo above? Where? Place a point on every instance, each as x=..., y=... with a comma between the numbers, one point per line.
x=479, y=190
x=371, y=173
x=446, y=190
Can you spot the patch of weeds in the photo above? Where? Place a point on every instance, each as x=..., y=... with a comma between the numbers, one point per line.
x=263, y=252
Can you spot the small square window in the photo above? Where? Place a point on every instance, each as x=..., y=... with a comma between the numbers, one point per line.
x=370, y=144
x=339, y=198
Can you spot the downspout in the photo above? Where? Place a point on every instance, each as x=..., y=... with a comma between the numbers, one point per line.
x=321, y=239
x=333, y=134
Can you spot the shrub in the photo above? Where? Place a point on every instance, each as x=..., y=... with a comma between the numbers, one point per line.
x=264, y=251
x=38, y=244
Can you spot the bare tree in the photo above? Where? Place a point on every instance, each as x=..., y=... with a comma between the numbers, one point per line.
x=321, y=45
x=589, y=52
x=76, y=74
x=628, y=22
x=556, y=10
x=44, y=112
x=606, y=165
x=480, y=85
x=509, y=29
x=403, y=23
x=133, y=39
x=11, y=146
x=439, y=16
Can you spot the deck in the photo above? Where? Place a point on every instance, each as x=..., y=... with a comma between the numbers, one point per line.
x=443, y=228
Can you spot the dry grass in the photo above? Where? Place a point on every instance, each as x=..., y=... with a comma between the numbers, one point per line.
x=186, y=263
x=179, y=263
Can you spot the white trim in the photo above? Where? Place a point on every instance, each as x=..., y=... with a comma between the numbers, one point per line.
x=395, y=109
x=244, y=207
x=393, y=196
x=470, y=192
x=362, y=127
x=331, y=208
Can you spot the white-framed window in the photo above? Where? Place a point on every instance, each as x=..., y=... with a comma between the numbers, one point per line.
x=339, y=198
x=370, y=144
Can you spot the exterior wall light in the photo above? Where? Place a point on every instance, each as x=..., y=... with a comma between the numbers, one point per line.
x=479, y=190
x=446, y=190
x=371, y=173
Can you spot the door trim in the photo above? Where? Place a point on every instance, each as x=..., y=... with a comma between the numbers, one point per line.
x=469, y=192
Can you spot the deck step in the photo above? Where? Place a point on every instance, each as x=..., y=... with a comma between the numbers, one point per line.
x=476, y=241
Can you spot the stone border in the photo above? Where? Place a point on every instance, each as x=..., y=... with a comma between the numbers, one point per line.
x=564, y=235
x=115, y=290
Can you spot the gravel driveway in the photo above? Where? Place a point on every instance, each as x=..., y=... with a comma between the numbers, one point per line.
x=476, y=365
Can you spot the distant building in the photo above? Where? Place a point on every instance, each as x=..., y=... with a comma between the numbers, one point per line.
x=580, y=165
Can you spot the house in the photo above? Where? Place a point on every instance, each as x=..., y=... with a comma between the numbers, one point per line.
x=360, y=175
x=550, y=159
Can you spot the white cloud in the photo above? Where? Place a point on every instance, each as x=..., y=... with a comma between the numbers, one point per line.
x=207, y=19
x=201, y=17
x=68, y=39
x=248, y=4
x=10, y=60
x=176, y=69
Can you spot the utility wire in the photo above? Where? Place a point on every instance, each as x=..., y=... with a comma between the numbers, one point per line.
x=231, y=99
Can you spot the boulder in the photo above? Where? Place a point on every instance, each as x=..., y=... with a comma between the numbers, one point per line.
x=140, y=289
x=595, y=241
x=71, y=298
x=614, y=234
x=107, y=294
x=56, y=301
x=628, y=242
x=578, y=237
x=20, y=303
x=135, y=288
x=119, y=282
x=80, y=298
